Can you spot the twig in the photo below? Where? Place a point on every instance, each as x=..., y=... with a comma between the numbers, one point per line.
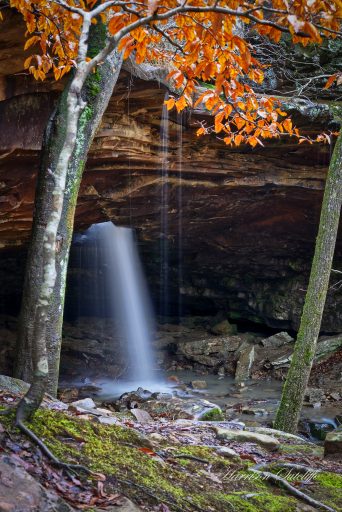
x=281, y=482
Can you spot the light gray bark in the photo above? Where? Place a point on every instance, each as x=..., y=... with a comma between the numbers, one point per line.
x=67, y=141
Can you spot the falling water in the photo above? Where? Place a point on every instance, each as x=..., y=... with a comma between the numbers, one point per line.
x=164, y=211
x=180, y=210
x=127, y=298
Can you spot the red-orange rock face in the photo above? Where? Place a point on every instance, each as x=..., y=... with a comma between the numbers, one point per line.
x=241, y=221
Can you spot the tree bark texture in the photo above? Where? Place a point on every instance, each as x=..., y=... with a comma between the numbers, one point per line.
x=94, y=96
x=298, y=376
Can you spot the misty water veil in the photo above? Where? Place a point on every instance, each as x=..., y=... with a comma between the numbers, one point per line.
x=115, y=255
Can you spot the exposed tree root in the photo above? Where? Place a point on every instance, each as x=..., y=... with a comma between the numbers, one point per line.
x=6, y=412
x=281, y=482
x=48, y=453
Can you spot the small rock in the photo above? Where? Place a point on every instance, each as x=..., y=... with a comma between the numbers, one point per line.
x=141, y=415
x=214, y=414
x=228, y=453
x=255, y=412
x=104, y=412
x=106, y=420
x=335, y=396
x=277, y=340
x=243, y=436
x=221, y=371
x=199, y=384
x=158, y=438
x=85, y=403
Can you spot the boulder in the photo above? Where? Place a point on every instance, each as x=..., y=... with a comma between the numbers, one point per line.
x=11, y=385
x=326, y=346
x=227, y=453
x=19, y=492
x=212, y=350
x=333, y=444
x=277, y=340
x=244, y=436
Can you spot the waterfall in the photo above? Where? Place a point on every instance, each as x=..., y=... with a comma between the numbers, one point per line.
x=164, y=211
x=180, y=210
x=127, y=296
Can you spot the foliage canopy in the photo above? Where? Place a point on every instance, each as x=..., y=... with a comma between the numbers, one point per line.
x=206, y=40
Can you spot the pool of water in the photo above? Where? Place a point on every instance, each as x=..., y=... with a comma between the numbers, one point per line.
x=256, y=401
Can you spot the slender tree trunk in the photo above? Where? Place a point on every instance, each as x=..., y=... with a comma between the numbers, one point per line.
x=93, y=97
x=297, y=378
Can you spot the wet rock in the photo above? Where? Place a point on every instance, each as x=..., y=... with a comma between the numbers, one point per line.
x=85, y=403
x=178, y=408
x=224, y=327
x=245, y=362
x=244, y=436
x=320, y=429
x=19, y=492
x=254, y=412
x=333, y=444
x=277, y=340
x=132, y=399
x=199, y=384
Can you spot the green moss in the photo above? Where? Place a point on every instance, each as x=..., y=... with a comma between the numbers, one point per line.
x=214, y=414
x=329, y=480
x=261, y=502
x=221, y=485
x=327, y=487
x=307, y=449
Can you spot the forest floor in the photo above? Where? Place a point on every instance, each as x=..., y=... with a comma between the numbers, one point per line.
x=161, y=465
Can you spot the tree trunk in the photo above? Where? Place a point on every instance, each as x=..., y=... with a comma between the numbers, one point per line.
x=298, y=376
x=95, y=95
